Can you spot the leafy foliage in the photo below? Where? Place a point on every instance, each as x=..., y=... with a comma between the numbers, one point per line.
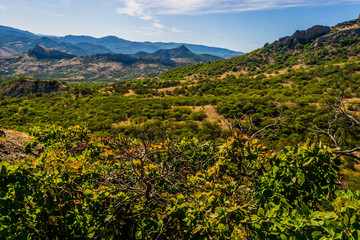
x=85, y=187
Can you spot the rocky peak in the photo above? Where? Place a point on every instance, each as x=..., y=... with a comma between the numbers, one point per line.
x=41, y=52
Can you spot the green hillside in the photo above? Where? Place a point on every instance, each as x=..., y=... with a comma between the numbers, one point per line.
x=260, y=146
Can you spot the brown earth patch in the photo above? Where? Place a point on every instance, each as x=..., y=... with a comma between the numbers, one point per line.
x=212, y=115
x=12, y=145
x=131, y=92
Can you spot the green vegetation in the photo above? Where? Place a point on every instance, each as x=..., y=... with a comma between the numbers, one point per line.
x=261, y=146
x=118, y=187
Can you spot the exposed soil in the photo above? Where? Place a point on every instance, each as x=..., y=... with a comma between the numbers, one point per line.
x=12, y=145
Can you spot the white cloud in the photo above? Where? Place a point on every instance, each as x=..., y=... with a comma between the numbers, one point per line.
x=158, y=25
x=174, y=29
x=135, y=8
x=149, y=9
x=2, y=7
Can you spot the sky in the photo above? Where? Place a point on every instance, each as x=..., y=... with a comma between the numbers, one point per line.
x=240, y=25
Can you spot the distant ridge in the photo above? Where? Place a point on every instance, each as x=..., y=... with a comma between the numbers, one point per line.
x=15, y=41
x=180, y=52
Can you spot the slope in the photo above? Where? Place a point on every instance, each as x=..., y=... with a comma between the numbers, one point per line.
x=314, y=46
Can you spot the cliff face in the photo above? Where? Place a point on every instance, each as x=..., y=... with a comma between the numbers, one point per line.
x=303, y=36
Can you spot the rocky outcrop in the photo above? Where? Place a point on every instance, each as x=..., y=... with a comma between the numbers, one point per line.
x=336, y=36
x=304, y=36
x=311, y=33
x=46, y=53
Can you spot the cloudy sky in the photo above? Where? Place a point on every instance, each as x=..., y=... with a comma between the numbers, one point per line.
x=242, y=25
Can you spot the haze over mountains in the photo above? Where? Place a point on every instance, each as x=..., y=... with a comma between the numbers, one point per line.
x=14, y=41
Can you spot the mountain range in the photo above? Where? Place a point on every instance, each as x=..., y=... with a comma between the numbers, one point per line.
x=46, y=63
x=14, y=41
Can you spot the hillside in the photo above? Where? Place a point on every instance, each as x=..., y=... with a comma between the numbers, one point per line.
x=14, y=41
x=320, y=45
x=261, y=146
x=22, y=87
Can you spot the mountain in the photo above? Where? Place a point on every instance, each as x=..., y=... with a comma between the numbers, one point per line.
x=179, y=54
x=118, y=45
x=314, y=46
x=9, y=31
x=14, y=41
x=44, y=63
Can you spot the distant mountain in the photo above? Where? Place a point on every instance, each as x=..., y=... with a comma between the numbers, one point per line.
x=9, y=31
x=14, y=41
x=179, y=54
x=44, y=63
x=11, y=45
x=118, y=45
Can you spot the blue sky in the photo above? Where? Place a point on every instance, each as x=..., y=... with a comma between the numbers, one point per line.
x=242, y=25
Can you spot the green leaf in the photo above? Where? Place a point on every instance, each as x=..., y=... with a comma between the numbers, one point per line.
x=316, y=235
x=261, y=212
x=108, y=217
x=300, y=178
x=180, y=199
x=222, y=227
x=87, y=192
x=283, y=237
x=220, y=211
x=346, y=220
x=353, y=219
x=308, y=162
x=211, y=199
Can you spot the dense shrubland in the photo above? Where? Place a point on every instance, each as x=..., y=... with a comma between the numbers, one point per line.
x=119, y=187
